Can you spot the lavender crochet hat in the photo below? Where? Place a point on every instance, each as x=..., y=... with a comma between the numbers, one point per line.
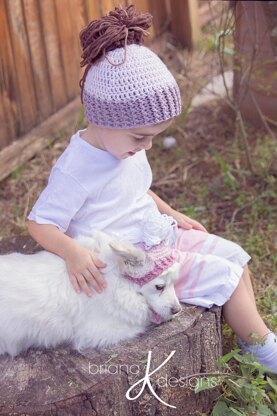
x=157, y=259
x=130, y=87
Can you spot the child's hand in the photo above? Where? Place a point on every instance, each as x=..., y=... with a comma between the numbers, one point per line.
x=185, y=222
x=83, y=268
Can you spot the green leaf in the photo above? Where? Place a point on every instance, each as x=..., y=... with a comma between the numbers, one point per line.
x=264, y=410
x=205, y=384
x=228, y=356
x=220, y=409
x=246, y=371
x=272, y=383
x=246, y=358
x=236, y=412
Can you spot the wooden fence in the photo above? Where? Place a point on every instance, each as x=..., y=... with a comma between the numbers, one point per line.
x=40, y=52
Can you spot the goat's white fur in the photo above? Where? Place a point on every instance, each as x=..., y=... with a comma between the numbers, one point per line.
x=39, y=307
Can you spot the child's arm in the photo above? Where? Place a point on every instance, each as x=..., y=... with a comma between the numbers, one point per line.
x=82, y=263
x=182, y=220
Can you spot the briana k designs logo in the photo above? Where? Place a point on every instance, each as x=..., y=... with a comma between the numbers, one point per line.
x=146, y=380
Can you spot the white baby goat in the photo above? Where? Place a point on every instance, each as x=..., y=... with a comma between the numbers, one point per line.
x=39, y=307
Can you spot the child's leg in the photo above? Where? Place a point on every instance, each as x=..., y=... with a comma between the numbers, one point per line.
x=247, y=280
x=241, y=314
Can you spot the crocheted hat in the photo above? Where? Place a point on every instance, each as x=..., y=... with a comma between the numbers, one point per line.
x=157, y=259
x=128, y=86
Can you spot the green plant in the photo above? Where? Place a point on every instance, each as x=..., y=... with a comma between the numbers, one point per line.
x=247, y=391
x=229, y=179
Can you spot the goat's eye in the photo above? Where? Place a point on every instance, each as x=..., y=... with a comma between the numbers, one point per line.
x=160, y=287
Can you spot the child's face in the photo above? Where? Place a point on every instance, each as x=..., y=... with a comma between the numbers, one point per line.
x=123, y=143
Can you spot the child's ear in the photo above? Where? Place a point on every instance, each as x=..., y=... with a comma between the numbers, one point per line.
x=128, y=252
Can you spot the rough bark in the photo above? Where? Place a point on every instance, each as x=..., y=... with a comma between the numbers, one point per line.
x=63, y=382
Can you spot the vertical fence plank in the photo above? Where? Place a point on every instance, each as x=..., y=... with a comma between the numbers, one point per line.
x=9, y=116
x=79, y=19
x=53, y=53
x=22, y=65
x=141, y=5
x=108, y=5
x=79, y=16
x=160, y=15
x=79, y=22
x=4, y=134
x=92, y=10
x=38, y=60
x=69, y=49
x=185, y=24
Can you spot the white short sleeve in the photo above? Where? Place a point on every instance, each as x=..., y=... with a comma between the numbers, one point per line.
x=59, y=202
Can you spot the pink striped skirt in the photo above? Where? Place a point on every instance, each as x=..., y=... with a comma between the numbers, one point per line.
x=211, y=268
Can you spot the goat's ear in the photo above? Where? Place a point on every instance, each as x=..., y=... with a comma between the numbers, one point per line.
x=128, y=251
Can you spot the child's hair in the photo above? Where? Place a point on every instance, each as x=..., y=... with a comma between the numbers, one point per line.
x=125, y=84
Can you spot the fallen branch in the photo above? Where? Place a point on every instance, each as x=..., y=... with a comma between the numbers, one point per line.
x=24, y=148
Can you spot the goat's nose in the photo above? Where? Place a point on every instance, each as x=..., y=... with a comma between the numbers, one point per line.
x=175, y=309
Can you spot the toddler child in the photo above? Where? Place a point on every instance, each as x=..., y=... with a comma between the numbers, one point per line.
x=102, y=182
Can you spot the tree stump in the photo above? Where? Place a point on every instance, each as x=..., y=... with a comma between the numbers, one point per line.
x=62, y=382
